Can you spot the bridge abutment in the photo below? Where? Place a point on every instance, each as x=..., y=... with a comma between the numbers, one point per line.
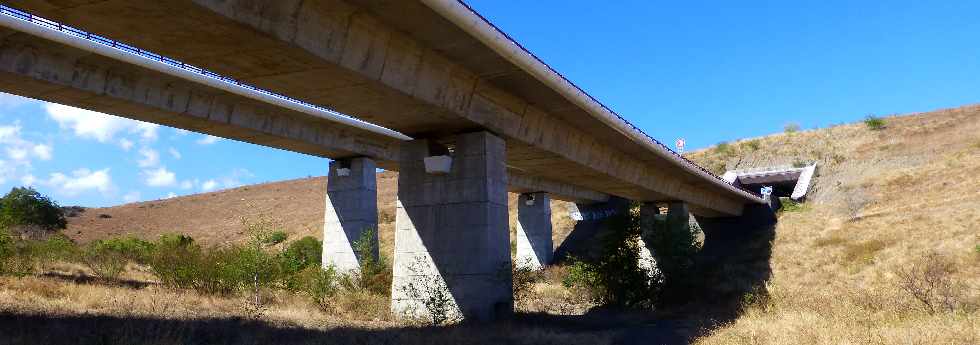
x=534, y=243
x=351, y=213
x=452, y=246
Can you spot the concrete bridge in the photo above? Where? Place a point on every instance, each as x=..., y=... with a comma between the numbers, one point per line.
x=425, y=83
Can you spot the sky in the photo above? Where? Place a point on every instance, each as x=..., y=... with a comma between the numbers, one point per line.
x=704, y=71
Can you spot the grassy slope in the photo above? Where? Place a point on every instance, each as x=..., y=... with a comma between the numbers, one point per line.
x=883, y=201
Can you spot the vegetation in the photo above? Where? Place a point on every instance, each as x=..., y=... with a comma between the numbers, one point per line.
x=874, y=123
x=791, y=127
x=24, y=206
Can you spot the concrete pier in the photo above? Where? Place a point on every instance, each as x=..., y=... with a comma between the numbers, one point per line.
x=351, y=210
x=452, y=246
x=534, y=244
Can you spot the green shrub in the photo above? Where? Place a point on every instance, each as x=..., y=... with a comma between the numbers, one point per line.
x=105, y=262
x=585, y=277
x=791, y=127
x=789, y=205
x=131, y=248
x=375, y=275
x=25, y=206
x=303, y=253
x=176, y=260
x=752, y=145
x=274, y=238
x=319, y=284
x=723, y=148
x=673, y=243
x=874, y=123
x=57, y=247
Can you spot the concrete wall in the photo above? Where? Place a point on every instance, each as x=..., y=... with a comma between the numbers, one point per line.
x=451, y=231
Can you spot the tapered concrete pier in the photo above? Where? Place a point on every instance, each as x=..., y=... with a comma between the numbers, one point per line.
x=351, y=210
x=451, y=234
x=534, y=244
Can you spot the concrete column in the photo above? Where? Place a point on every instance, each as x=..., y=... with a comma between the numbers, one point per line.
x=677, y=212
x=351, y=209
x=649, y=214
x=452, y=245
x=534, y=246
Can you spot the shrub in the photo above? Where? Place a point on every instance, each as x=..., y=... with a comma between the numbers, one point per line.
x=752, y=145
x=105, y=262
x=274, y=238
x=25, y=206
x=789, y=205
x=176, y=260
x=319, y=284
x=225, y=270
x=791, y=127
x=723, y=148
x=55, y=248
x=301, y=254
x=584, y=277
x=131, y=248
x=874, y=123
x=673, y=242
x=930, y=282
x=375, y=272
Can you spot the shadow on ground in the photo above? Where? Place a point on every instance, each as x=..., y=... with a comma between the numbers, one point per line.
x=734, y=262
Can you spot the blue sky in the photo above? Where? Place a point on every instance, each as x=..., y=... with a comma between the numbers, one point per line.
x=704, y=71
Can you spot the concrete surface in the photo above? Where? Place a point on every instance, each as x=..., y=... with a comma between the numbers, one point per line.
x=351, y=211
x=451, y=231
x=534, y=244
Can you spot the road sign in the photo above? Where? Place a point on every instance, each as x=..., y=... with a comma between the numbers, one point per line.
x=680, y=145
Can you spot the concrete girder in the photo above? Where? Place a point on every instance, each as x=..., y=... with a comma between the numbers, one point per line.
x=365, y=67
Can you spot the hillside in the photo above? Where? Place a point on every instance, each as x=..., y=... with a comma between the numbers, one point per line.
x=885, y=203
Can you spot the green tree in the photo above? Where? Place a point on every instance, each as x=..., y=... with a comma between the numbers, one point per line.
x=25, y=206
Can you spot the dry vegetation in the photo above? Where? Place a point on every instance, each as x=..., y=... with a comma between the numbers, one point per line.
x=885, y=250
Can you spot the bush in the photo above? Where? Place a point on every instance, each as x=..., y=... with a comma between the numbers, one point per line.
x=175, y=260
x=225, y=270
x=131, y=248
x=301, y=254
x=931, y=283
x=874, y=123
x=375, y=272
x=584, y=277
x=274, y=238
x=25, y=206
x=105, y=262
x=319, y=284
x=673, y=242
x=791, y=127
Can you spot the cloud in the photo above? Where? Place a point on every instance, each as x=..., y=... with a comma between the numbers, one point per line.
x=209, y=185
x=98, y=126
x=171, y=195
x=43, y=152
x=181, y=131
x=28, y=180
x=174, y=153
x=208, y=140
x=187, y=184
x=125, y=144
x=151, y=158
x=160, y=177
x=81, y=180
x=132, y=196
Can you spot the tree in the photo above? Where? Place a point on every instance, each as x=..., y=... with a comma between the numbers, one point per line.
x=24, y=206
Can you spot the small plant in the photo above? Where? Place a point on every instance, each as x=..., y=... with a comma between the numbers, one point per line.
x=791, y=127
x=723, y=148
x=320, y=284
x=930, y=282
x=752, y=145
x=274, y=238
x=434, y=294
x=789, y=205
x=874, y=123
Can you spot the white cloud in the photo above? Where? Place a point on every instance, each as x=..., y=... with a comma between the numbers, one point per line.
x=151, y=158
x=160, y=177
x=125, y=144
x=209, y=185
x=132, y=196
x=98, y=126
x=181, y=131
x=187, y=184
x=81, y=180
x=174, y=153
x=17, y=153
x=171, y=195
x=43, y=152
x=28, y=180
x=208, y=140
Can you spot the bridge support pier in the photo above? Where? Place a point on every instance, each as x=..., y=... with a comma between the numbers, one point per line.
x=351, y=211
x=452, y=242
x=534, y=244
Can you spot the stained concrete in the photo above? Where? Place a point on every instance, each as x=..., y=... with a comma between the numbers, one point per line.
x=351, y=214
x=534, y=244
x=451, y=231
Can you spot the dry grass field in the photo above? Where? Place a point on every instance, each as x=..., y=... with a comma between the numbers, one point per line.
x=885, y=251
x=892, y=211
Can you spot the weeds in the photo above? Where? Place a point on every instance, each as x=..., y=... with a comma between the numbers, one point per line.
x=874, y=123
x=930, y=282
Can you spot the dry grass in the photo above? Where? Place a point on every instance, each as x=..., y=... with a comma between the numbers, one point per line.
x=884, y=200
